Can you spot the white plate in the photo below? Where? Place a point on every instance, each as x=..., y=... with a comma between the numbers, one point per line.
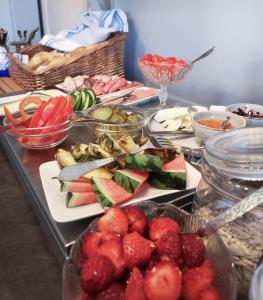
x=138, y=101
x=57, y=200
x=12, y=102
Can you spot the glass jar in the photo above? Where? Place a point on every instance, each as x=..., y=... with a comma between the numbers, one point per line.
x=232, y=168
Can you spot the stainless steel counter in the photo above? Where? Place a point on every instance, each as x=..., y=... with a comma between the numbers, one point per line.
x=26, y=164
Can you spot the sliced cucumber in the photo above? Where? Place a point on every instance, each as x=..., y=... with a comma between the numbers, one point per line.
x=77, y=101
x=132, y=118
x=103, y=113
x=93, y=96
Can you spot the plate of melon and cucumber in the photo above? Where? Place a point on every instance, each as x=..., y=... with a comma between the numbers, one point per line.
x=142, y=176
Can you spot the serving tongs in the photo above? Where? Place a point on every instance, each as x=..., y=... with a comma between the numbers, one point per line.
x=238, y=210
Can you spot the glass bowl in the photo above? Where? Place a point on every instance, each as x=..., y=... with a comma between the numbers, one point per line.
x=39, y=138
x=118, y=130
x=256, y=287
x=247, y=107
x=216, y=251
x=164, y=74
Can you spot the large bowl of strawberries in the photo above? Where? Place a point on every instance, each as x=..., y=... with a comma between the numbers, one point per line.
x=148, y=252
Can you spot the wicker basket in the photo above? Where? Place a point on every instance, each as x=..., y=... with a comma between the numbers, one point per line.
x=108, y=60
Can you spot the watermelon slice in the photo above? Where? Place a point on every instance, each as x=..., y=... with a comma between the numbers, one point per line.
x=142, y=162
x=173, y=175
x=78, y=199
x=109, y=193
x=75, y=186
x=130, y=180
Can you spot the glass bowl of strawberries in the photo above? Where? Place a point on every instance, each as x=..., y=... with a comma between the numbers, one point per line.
x=148, y=251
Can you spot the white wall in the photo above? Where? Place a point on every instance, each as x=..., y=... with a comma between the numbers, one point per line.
x=18, y=14
x=234, y=72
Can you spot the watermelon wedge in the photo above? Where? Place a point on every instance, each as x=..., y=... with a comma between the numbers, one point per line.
x=142, y=162
x=75, y=186
x=109, y=193
x=130, y=180
x=78, y=199
x=173, y=175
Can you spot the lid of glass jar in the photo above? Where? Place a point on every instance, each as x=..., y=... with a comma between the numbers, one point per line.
x=237, y=153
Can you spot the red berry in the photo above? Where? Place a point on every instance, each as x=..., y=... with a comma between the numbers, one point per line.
x=163, y=282
x=90, y=243
x=160, y=225
x=134, y=289
x=136, y=250
x=113, y=221
x=113, y=250
x=197, y=279
x=137, y=220
x=96, y=274
x=169, y=246
x=193, y=249
x=113, y=292
x=210, y=293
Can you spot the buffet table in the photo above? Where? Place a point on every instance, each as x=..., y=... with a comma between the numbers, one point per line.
x=8, y=85
x=26, y=164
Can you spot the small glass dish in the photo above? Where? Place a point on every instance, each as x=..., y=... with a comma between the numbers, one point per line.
x=216, y=251
x=134, y=130
x=39, y=138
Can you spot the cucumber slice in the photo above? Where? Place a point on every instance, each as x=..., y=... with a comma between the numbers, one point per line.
x=92, y=96
x=88, y=101
x=132, y=118
x=103, y=113
x=77, y=101
x=83, y=99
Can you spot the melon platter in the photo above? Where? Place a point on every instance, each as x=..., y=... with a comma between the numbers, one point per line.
x=118, y=183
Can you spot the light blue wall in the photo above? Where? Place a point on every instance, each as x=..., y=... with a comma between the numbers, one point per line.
x=186, y=28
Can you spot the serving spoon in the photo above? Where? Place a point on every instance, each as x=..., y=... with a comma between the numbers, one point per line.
x=232, y=213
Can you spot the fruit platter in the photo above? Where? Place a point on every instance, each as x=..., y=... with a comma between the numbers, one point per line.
x=142, y=176
x=148, y=251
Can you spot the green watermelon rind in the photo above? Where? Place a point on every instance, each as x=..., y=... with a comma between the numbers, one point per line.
x=104, y=201
x=128, y=183
x=168, y=180
x=141, y=162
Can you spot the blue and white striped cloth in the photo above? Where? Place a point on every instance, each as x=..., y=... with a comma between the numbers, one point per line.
x=93, y=27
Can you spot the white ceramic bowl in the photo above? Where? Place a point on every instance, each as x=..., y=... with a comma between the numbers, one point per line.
x=251, y=121
x=203, y=133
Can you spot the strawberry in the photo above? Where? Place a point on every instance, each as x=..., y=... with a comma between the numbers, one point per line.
x=169, y=246
x=163, y=281
x=193, y=249
x=210, y=293
x=134, y=289
x=113, y=221
x=85, y=296
x=90, y=243
x=137, y=220
x=159, y=225
x=197, y=279
x=96, y=274
x=113, y=292
x=113, y=250
x=136, y=249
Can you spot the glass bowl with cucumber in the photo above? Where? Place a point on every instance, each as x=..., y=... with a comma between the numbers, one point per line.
x=123, y=120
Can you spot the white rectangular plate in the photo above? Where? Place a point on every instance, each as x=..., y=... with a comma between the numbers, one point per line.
x=57, y=200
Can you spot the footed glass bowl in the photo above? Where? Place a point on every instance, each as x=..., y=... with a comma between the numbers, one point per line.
x=164, y=74
x=216, y=251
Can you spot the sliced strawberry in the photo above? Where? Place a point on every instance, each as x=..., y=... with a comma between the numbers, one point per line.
x=90, y=243
x=85, y=296
x=163, y=282
x=210, y=293
x=134, y=289
x=137, y=250
x=197, y=279
x=96, y=274
x=113, y=292
x=159, y=225
x=169, y=246
x=114, y=220
x=193, y=249
x=113, y=250
x=82, y=260
x=137, y=220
